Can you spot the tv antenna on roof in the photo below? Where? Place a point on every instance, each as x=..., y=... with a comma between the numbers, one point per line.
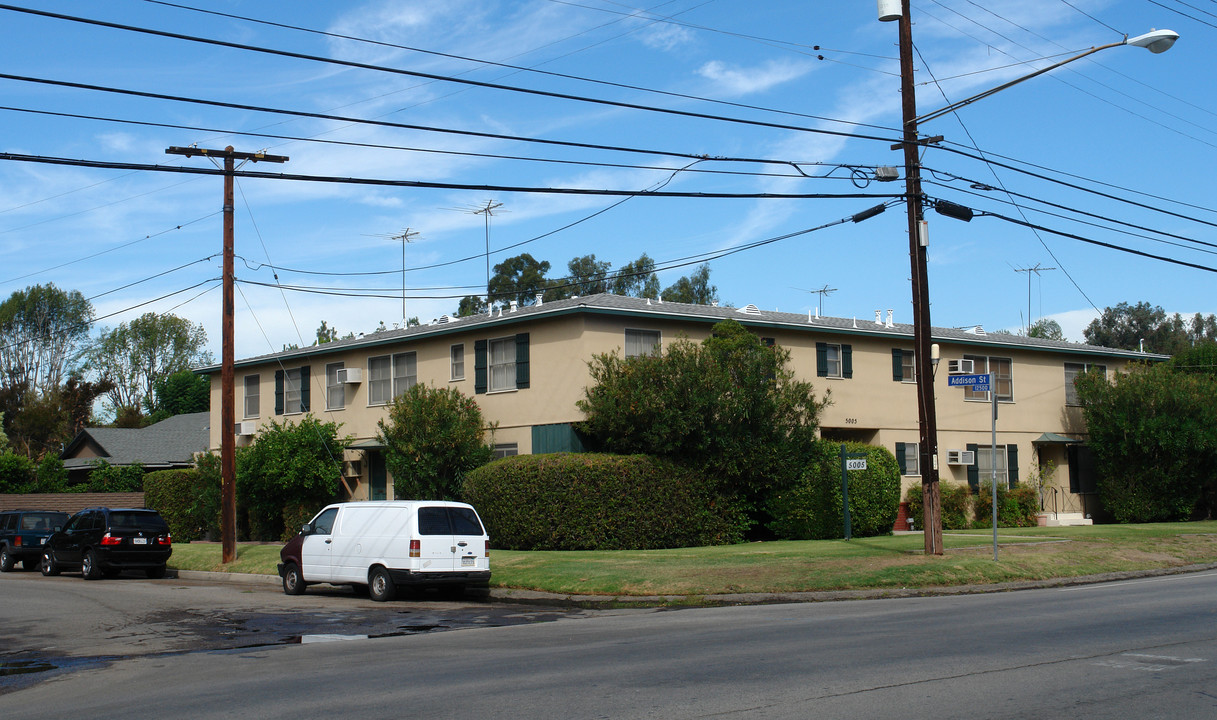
x=822, y=292
x=405, y=236
x=1037, y=269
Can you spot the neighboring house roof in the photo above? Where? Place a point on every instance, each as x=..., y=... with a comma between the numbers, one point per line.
x=172, y=442
x=749, y=315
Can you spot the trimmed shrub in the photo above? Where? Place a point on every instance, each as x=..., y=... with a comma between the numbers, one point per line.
x=956, y=501
x=812, y=509
x=1016, y=507
x=52, y=475
x=189, y=500
x=105, y=477
x=593, y=501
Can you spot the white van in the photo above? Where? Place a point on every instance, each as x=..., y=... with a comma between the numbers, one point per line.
x=389, y=544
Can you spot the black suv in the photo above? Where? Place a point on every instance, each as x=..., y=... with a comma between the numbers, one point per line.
x=22, y=533
x=106, y=541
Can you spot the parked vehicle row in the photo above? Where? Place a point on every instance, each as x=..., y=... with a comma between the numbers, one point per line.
x=386, y=545
x=99, y=542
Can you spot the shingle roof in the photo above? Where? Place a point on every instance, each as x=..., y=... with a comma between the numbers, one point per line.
x=749, y=315
x=170, y=442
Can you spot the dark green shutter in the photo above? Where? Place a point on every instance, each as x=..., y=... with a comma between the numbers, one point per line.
x=479, y=366
x=1012, y=464
x=897, y=364
x=278, y=392
x=973, y=470
x=847, y=361
x=522, y=361
x=304, y=382
x=900, y=455
x=822, y=359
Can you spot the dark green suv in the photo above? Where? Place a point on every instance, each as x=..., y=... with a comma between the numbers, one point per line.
x=106, y=541
x=22, y=533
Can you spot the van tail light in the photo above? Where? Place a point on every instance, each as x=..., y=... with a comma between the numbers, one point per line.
x=164, y=540
x=416, y=548
x=109, y=539
x=487, y=549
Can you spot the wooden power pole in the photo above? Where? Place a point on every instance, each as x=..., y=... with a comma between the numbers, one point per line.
x=228, y=474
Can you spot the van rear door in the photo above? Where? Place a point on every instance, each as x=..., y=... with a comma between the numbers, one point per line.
x=451, y=538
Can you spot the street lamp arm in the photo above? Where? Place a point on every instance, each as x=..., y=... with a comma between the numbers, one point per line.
x=1156, y=41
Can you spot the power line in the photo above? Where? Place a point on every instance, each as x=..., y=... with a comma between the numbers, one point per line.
x=435, y=76
x=433, y=185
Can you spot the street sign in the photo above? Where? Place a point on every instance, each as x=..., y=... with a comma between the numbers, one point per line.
x=979, y=383
x=855, y=464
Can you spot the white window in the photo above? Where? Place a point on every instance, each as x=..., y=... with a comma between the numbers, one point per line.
x=380, y=380
x=503, y=450
x=1003, y=372
x=641, y=343
x=335, y=392
x=1072, y=371
x=252, y=392
x=832, y=360
x=503, y=364
x=457, y=353
x=405, y=372
x=908, y=369
x=985, y=457
x=293, y=399
x=912, y=459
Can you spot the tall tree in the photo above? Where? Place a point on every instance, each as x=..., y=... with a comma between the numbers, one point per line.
x=42, y=332
x=519, y=278
x=637, y=279
x=179, y=393
x=135, y=355
x=1047, y=329
x=695, y=289
x=471, y=305
x=1148, y=327
x=588, y=276
x=326, y=334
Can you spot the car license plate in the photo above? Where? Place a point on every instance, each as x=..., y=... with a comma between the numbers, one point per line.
x=40, y=540
x=468, y=561
x=139, y=541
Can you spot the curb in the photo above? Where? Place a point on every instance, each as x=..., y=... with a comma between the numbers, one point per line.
x=591, y=602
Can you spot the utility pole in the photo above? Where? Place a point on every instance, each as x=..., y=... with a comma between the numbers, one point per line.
x=1037, y=270
x=228, y=475
x=927, y=417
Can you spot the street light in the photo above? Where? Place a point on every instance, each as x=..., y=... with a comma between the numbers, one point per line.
x=1156, y=41
x=898, y=10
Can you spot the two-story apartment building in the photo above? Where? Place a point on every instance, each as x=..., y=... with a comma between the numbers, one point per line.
x=527, y=367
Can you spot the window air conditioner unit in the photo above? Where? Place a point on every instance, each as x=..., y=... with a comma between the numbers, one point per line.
x=352, y=468
x=961, y=457
x=245, y=427
x=350, y=376
x=960, y=367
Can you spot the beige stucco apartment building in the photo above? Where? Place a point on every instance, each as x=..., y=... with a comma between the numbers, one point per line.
x=527, y=366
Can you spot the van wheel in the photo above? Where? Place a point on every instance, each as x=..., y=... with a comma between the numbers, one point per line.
x=380, y=585
x=293, y=581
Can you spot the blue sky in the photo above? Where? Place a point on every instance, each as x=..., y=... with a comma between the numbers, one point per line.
x=1125, y=135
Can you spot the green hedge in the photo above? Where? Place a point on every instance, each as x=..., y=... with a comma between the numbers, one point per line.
x=812, y=509
x=189, y=500
x=593, y=501
x=1016, y=507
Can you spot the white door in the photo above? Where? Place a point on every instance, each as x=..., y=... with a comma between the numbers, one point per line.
x=451, y=538
x=316, y=550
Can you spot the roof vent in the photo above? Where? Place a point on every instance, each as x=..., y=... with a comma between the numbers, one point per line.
x=978, y=330
x=514, y=306
x=749, y=309
x=443, y=320
x=878, y=317
x=540, y=297
x=889, y=318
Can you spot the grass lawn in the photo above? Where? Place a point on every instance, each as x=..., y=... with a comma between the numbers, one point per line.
x=789, y=566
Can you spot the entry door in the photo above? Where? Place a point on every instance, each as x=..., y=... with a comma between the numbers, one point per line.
x=377, y=476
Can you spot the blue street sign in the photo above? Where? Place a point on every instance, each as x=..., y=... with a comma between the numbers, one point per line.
x=979, y=383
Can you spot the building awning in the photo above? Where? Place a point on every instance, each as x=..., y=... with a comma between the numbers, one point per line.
x=1049, y=438
x=369, y=444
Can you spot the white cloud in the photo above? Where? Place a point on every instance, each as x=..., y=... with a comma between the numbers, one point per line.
x=736, y=81
x=665, y=36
